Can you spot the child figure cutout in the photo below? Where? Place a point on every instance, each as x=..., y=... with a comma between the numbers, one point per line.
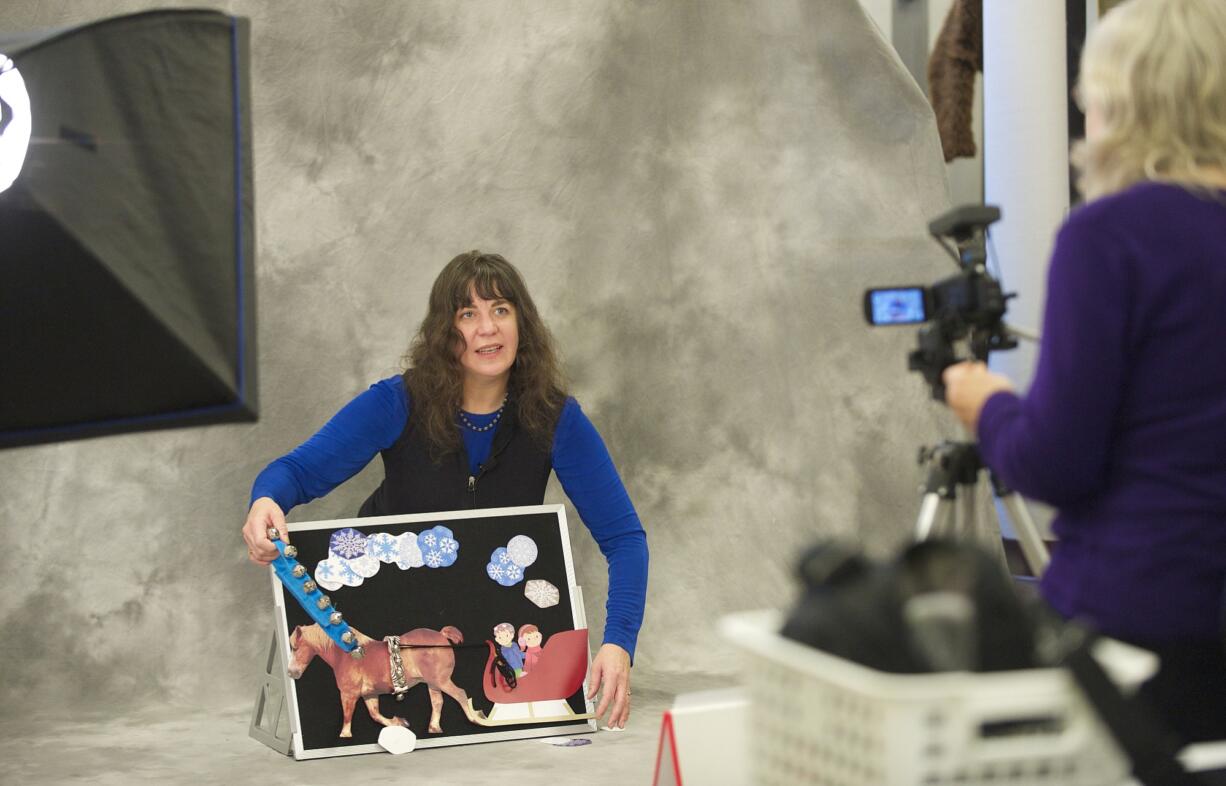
x=530, y=643
x=504, y=634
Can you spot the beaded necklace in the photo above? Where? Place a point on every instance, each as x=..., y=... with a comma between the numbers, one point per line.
x=497, y=417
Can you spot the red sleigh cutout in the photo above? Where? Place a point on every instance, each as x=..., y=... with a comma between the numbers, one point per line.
x=557, y=674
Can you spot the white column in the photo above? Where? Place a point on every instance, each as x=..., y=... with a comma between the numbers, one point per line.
x=1025, y=154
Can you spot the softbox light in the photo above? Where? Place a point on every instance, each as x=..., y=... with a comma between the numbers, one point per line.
x=127, y=296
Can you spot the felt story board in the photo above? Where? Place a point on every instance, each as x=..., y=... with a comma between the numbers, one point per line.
x=451, y=577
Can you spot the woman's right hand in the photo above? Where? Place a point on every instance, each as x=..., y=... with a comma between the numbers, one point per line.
x=264, y=513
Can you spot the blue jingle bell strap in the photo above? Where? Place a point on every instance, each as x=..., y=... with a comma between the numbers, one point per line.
x=294, y=578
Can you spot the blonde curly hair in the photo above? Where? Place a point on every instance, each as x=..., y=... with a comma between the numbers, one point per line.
x=1155, y=71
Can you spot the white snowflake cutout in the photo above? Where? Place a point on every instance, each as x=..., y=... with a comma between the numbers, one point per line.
x=542, y=593
x=383, y=547
x=365, y=565
x=348, y=576
x=522, y=550
x=327, y=576
x=410, y=552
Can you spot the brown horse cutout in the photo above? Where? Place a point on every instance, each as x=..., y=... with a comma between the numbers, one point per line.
x=427, y=657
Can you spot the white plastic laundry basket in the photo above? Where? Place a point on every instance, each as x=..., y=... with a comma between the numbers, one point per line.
x=821, y=719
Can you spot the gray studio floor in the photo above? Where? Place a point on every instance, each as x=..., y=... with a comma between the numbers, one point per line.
x=171, y=745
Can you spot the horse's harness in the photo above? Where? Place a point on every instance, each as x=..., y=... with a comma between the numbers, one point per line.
x=399, y=684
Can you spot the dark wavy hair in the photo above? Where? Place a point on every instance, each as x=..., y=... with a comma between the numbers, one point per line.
x=433, y=372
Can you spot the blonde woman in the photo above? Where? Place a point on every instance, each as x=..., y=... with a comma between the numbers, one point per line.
x=1124, y=426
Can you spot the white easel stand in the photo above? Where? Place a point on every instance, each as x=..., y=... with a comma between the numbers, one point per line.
x=270, y=715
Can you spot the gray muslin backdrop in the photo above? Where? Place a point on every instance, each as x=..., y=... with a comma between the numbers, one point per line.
x=697, y=192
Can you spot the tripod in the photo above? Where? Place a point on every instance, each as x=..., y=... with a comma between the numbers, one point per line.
x=956, y=465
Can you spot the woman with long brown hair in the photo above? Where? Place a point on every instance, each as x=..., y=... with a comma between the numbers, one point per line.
x=479, y=419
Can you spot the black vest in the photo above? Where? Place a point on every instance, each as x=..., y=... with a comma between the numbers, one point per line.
x=514, y=474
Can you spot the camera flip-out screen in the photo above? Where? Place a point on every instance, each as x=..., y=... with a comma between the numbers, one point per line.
x=895, y=306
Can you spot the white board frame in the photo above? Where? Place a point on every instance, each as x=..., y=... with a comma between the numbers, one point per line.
x=578, y=615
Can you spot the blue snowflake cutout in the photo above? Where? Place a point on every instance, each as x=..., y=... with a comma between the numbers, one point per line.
x=348, y=543
x=502, y=570
x=439, y=548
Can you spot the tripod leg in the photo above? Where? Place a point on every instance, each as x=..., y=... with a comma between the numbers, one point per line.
x=1033, y=547
x=936, y=517
x=968, y=521
x=927, y=515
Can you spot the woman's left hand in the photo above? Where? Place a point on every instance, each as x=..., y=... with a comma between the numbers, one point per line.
x=968, y=386
x=611, y=676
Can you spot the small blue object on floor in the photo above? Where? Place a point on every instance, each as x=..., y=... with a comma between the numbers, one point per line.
x=562, y=742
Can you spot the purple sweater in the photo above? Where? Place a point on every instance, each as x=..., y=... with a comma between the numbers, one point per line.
x=1124, y=426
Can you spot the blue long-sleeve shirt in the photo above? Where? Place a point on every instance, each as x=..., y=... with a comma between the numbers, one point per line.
x=1124, y=426
x=375, y=419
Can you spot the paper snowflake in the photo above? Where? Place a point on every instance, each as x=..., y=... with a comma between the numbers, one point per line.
x=410, y=552
x=439, y=540
x=501, y=556
x=327, y=576
x=522, y=550
x=515, y=573
x=347, y=543
x=325, y=570
x=348, y=576
x=503, y=577
x=365, y=565
x=542, y=593
x=383, y=547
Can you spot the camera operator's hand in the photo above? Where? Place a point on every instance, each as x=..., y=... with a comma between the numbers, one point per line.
x=968, y=386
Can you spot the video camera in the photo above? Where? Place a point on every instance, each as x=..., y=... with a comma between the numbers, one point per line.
x=969, y=305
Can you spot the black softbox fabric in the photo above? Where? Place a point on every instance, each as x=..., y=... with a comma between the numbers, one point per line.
x=127, y=296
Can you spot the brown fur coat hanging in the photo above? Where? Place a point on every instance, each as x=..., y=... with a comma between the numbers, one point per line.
x=956, y=57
